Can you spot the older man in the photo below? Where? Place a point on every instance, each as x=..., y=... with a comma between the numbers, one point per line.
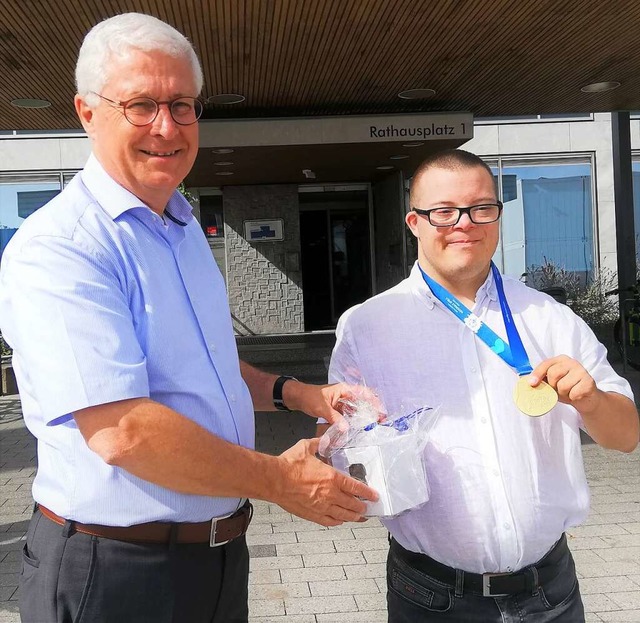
x=128, y=371
x=489, y=544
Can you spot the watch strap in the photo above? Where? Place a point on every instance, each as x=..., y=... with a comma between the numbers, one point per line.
x=278, y=402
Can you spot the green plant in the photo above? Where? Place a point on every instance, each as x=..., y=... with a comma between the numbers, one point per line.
x=588, y=300
x=549, y=275
x=188, y=195
x=592, y=304
x=5, y=349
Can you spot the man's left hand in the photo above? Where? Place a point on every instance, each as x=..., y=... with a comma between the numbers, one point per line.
x=574, y=384
x=325, y=401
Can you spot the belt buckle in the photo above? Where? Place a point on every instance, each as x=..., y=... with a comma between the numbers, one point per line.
x=486, y=584
x=214, y=527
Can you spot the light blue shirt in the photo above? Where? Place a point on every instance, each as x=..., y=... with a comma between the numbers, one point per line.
x=103, y=300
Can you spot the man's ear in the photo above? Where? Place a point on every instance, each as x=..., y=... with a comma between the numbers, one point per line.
x=85, y=114
x=412, y=222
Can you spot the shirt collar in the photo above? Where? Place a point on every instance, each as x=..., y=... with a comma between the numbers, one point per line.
x=488, y=288
x=179, y=209
x=116, y=200
x=419, y=286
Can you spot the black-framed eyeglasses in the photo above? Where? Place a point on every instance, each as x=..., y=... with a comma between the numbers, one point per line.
x=482, y=214
x=141, y=111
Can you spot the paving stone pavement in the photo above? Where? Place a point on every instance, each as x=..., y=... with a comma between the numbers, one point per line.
x=303, y=573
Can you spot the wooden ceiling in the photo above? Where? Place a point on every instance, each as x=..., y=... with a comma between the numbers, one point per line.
x=340, y=57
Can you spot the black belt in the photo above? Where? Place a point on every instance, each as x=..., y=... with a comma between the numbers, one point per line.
x=216, y=531
x=487, y=584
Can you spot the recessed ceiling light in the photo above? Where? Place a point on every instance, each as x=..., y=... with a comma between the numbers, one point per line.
x=416, y=94
x=398, y=157
x=414, y=144
x=222, y=150
x=226, y=99
x=384, y=167
x=225, y=163
x=27, y=102
x=600, y=87
x=224, y=173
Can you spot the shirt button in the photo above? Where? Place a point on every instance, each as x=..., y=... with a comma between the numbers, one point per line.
x=474, y=370
x=232, y=397
x=212, y=348
x=506, y=526
x=496, y=472
x=509, y=569
x=483, y=420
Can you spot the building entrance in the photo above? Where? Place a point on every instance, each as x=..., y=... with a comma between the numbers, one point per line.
x=335, y=241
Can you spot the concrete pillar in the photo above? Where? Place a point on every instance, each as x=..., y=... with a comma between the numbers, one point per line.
x=388, y=212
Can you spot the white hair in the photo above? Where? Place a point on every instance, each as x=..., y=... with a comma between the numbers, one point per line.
x=117, y=36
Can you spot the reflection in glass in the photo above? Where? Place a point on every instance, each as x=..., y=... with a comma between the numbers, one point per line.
x=20, y=196
x=548, y=215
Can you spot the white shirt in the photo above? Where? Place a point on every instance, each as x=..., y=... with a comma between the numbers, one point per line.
x=504, y=486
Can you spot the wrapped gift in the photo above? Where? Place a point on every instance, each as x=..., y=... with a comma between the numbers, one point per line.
x=387, y=456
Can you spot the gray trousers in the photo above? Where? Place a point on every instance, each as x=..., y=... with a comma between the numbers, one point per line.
x=70, y=577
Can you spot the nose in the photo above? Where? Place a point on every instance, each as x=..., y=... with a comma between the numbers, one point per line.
x=465, y=221
x=164, y=125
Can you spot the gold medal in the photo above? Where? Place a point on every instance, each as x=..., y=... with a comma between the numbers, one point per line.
x=534, y=401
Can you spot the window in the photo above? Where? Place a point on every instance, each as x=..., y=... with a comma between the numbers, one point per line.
x=635, y=168
x=20, y=196
x=67, y=177
x=548, y=214
x=579, y=116
x=73, y=131
x=212, y=222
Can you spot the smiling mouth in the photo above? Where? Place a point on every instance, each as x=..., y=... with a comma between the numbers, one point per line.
x=161, y=154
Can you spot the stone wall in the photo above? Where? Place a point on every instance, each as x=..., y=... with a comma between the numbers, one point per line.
x=264, y=279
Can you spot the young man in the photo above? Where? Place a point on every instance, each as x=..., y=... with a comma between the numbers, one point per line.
x=489, y=545
x=128, y=370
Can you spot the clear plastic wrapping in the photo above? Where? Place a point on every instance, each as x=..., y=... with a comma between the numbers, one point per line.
x=387, y=455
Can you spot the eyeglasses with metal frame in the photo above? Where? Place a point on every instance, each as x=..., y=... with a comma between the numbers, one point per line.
x=481, y=214
x=140, y=111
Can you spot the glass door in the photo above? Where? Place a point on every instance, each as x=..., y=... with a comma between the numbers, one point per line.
x=335, y=251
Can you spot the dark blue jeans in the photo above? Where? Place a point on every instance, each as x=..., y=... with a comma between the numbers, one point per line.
x=414, y=597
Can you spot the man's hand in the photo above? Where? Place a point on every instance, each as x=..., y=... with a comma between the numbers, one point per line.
x=574, y=384
x=317, y=492
x=609, y=417
x=326, y=401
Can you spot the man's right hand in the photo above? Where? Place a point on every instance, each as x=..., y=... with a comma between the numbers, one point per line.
x=317, y=492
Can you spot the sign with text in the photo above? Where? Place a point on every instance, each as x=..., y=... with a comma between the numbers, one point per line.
x=454, y=126
x=422, y=130
x=271, y=230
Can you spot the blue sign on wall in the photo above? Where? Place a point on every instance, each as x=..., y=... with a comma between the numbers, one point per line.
x=264, y=230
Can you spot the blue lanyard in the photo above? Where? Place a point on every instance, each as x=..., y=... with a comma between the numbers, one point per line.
x=512, y=353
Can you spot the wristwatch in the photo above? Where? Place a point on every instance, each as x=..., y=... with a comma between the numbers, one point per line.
x=277, y=392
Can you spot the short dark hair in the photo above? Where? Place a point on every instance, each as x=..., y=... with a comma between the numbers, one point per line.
x=451, y=160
